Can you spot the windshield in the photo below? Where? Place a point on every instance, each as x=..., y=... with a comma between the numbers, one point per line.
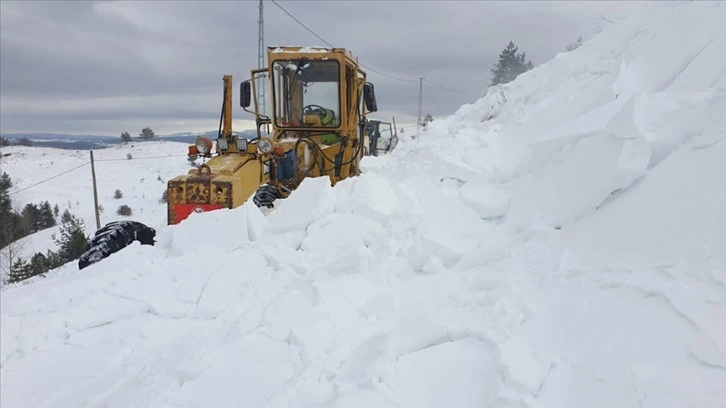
x=306, y=93
x=385, y=135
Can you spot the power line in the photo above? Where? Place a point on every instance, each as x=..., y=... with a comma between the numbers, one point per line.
x=303, y=25
x=50, y=178
x=389, y=76
x=365, y=66
x=331, y=45
x=140, y=158
x=448, y=89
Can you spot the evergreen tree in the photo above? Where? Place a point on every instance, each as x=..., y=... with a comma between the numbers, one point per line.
x=146, y=133
x=5, y=203
x=31, y=218
x=125, y=137
x=47, y=219
x=18, y=271
x=5, y=184
x=73, y=240
x=428, y=119
x=56, y=210
x=4, y=142
x=40, y=263
x=510, y=65
x=575, y=45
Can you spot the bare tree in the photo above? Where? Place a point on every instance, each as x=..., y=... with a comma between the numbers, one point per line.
x=11, y=253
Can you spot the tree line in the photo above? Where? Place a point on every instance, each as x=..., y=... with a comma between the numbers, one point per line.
x=146, y=134
x=14, y=226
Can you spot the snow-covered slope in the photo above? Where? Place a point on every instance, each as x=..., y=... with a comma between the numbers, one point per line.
x=64, y=178
x=558, y=243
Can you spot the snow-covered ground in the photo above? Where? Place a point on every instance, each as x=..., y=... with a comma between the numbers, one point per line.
x=560, y=242
x=66, y=180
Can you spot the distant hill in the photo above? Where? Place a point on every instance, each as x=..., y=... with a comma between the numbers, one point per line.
x=95, y=142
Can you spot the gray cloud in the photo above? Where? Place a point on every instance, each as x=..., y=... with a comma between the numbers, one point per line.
x=109, y=66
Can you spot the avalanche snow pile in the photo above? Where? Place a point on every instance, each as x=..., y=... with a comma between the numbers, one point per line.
x=558, y=243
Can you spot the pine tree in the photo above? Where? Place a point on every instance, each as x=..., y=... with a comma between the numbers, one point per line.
x=125, y=137
x=510, y=65
x=31, y=218
x=428, y=119
x=47, y=219
x=18, y=271
x=575, y=45
x=39, y=263
x=5, y=203
x=73, y=240
x=146, y=133
x=6, y=210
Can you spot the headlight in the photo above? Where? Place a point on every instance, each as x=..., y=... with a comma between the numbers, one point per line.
x=202, y=146
x=223, y=144
x=241, y=145
x=264, y=146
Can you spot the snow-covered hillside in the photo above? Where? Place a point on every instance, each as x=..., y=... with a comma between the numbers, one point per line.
x=560, y=242
x=64, y=178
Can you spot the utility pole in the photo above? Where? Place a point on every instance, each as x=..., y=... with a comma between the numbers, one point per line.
x=261, y=58
x=95, y=193
x=420, y=101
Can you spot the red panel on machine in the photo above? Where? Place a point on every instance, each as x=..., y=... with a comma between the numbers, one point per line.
x=182, y=211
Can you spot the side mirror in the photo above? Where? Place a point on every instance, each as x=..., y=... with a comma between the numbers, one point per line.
x=369, y=97
x=245, y=94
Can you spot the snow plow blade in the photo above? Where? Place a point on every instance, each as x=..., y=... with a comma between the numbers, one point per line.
x=113, y=237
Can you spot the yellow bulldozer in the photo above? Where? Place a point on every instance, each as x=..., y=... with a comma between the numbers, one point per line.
x=318, y=100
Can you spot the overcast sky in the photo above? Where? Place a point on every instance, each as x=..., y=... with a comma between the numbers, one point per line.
x=105, y=67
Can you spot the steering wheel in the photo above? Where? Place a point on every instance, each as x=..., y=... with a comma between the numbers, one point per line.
x=310, y=109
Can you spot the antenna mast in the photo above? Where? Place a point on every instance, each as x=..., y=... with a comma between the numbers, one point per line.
x=261, y=59
x=420, y=102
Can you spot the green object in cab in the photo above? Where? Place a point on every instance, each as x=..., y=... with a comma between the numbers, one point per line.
x=329, y=139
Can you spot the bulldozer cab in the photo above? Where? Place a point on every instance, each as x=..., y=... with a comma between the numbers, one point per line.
x=319, y=99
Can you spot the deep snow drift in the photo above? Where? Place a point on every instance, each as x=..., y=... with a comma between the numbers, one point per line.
x=558, y=243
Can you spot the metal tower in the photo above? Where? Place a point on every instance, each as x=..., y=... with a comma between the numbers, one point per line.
x=420, y=101
x=261, y=58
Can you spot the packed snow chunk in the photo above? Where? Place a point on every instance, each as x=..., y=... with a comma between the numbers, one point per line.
x=292, y=311
x=523, y=364
x=256, y=220
x=361, y=364
x=488, y=201
x=635, y=154
x=248, y=371
x=313, y=198
x=202, y=231
x=380, y=306
x=414, y=332
x=370, y=196
x=676, y=213
x=462, y=373
x=230, y=286
x=578, y=186
x=451, y=229
x=338, y=235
